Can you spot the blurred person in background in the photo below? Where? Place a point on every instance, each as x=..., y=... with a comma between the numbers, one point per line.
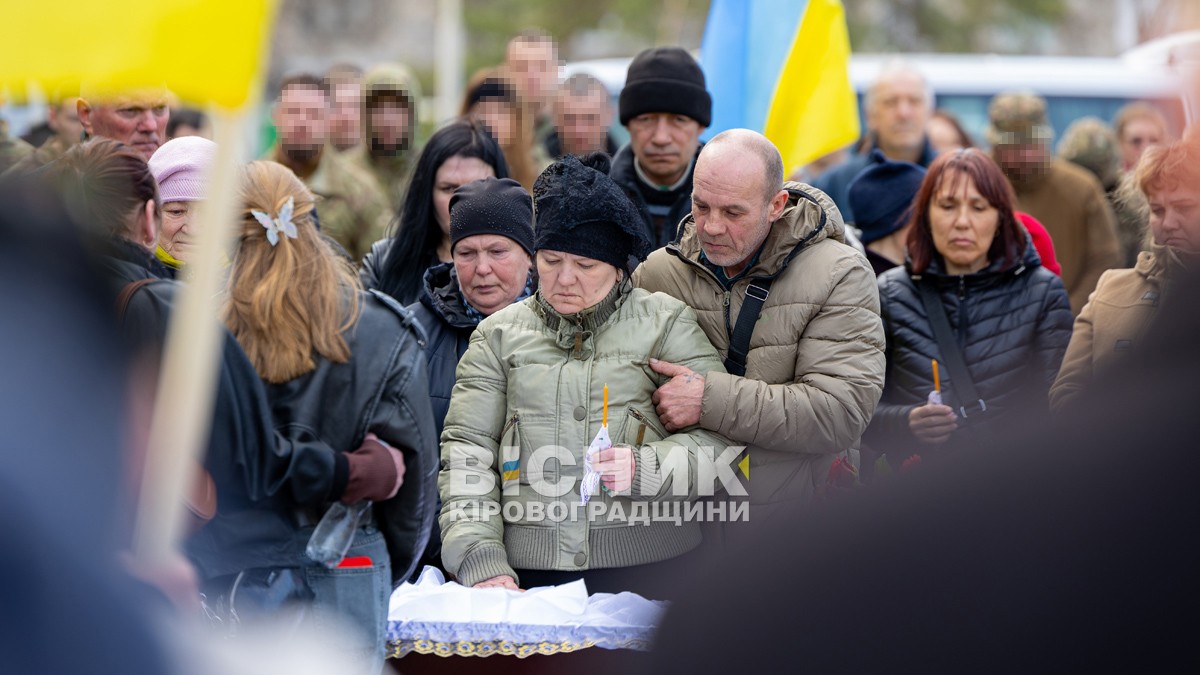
x=459, y=153
x=946, y=133
x=182, y=168
x=1138, y=125
x=344, y=366
x=582, y=116
x=1065, y=198
x=137, y=118
x=352, y=210
x=389, y=125
x=344, y=82
x=1090, y=143
x=882, y=196
x=62, y=119
x=531, y=63
x=492, y=100
x=665, y=106
x=1118, y=316
x=898, y=105
x=188, y=122
x=971, y=268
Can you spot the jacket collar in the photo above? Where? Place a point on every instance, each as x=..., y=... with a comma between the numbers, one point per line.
x=122, y=250
x=809, y=217
x=441, y=294
x=574, y=329
x=1029, y=259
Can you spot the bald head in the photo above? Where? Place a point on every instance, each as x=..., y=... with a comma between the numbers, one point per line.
x=737, y=192
x=744, y=144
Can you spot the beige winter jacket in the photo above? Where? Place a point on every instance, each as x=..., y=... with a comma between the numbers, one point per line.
x=815, y=368
x=1114, y=321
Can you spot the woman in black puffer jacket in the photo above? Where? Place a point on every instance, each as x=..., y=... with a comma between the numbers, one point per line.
x=1009, y=315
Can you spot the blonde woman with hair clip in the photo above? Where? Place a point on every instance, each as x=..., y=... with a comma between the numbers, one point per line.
x=347, y=367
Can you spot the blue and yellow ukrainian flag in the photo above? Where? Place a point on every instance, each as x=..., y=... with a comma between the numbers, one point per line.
x=781, y=67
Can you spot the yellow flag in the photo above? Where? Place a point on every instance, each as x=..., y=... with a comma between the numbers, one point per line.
x=206, y=51
x=814, y=110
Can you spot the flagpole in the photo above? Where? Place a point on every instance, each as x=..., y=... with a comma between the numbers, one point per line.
x=183, y=407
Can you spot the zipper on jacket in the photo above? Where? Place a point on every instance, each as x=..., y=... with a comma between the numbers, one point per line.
x=643, y=421
x=962, y=287
x=728, y=323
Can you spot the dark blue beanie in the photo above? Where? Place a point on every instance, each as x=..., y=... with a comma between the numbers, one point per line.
x=881, y=196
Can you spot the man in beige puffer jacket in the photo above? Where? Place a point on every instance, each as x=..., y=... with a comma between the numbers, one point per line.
x=815, y=365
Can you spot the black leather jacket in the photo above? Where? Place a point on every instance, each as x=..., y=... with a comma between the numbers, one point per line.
x=384, y=389
x=1013, y=325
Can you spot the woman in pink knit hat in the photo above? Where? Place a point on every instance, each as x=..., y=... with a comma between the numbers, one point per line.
x=181, y=168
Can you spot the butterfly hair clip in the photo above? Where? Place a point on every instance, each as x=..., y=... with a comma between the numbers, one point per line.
x=280, y=225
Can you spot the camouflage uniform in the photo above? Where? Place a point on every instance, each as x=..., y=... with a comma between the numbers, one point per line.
x=1067, y=199
x=390, y=171
x=12, y=150
x=350, y=205
x=1092, y=144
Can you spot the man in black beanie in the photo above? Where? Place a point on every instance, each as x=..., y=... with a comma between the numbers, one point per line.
x=665, y=107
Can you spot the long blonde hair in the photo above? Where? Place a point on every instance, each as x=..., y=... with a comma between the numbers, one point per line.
x=287, y=301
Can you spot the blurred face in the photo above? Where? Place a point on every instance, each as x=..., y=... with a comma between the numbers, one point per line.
x=452, y=174
x=344, y=129
x=500, y=119
x=301, y=117
x=730, y=206
x=963, y=224
x=1022, y=161
x=533, y=67
x=137, y=120
x=175, y=236
x=1139, y=134
x=492, y=271
x=583, y=122
x=898, y=113
x=1175, y=217
x=664, y=144
x=572, y=283
x=389, y=121
x=942, y=135
x=64, y=120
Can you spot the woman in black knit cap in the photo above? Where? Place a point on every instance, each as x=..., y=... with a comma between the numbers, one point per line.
x=530, y=398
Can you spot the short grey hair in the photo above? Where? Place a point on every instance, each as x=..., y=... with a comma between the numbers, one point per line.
x=889, y=70
x=759, y=145
x=580, y=85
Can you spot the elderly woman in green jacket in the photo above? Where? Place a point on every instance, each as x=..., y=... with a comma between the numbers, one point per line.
x=521, y=500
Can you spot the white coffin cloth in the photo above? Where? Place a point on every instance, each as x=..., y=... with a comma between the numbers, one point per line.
x=434, y=616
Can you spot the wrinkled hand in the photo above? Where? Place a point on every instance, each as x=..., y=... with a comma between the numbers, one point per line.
x=503, y=581
x=615, y=466
x=678, y=401
x=932, y=423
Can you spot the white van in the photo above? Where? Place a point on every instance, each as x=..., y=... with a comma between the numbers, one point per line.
x=964, y=84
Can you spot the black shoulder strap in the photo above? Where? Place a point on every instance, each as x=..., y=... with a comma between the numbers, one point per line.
x=948, y=345
x=739, y=342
